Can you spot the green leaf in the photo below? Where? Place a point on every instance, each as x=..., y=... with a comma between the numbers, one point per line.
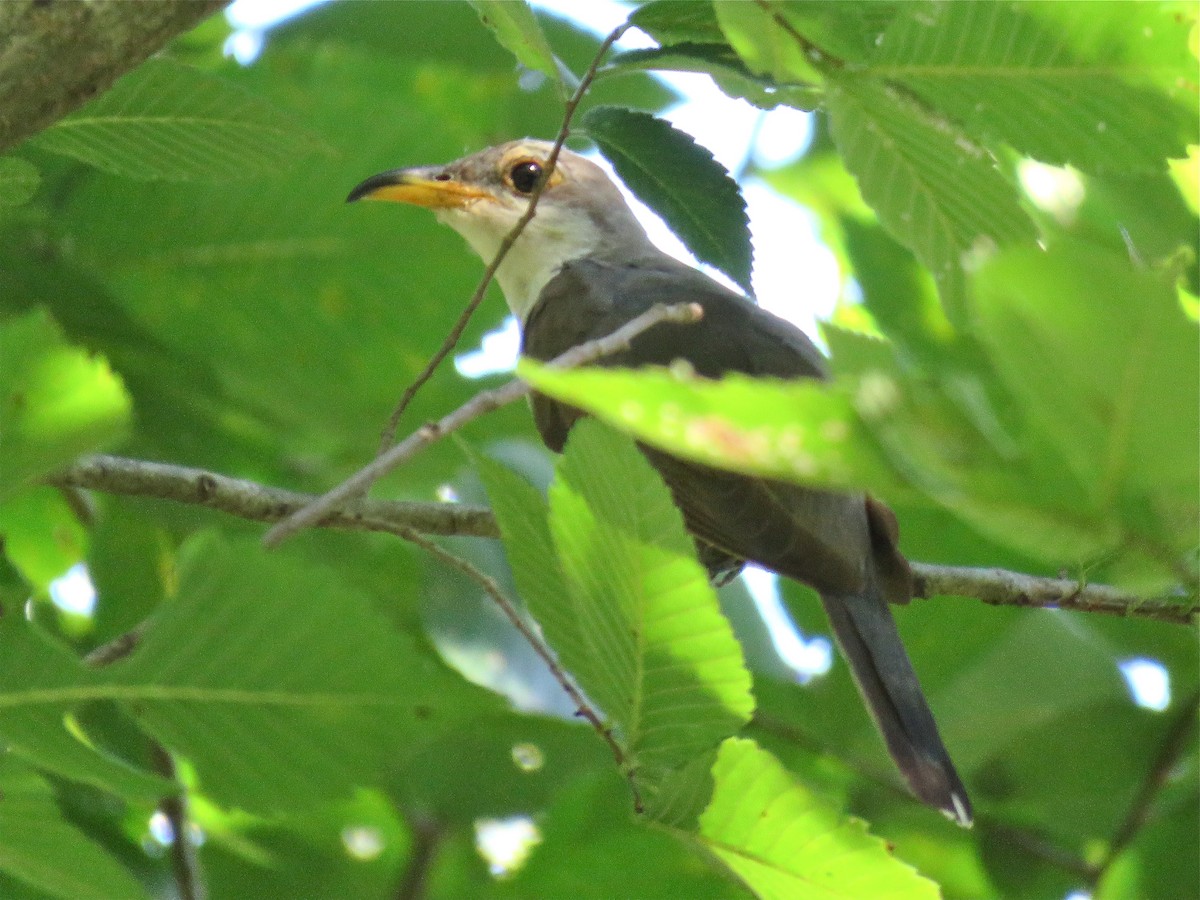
x=786, y=842
x=56, y=402
x=792, y=430
x=1051, y=84
x=42, y=849
x=766, y=48
x=679, y=180
x=19, y=181
x=523, y=517
x=665, y=665
x=1104, y=357
x=628, y=609
x=518, y=31
x=40, y=684
x=588, y=829
x=42, y=535
x=170, y=122
x=934, y=191
x=678, y=21
x=276, y=680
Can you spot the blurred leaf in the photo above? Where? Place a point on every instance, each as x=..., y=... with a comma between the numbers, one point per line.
x=56, y=402
x=518, y=31
x=505, y=764
x=588, y=829
x=167, y=121
x=42, y=536
x=19, y=180
x=785, y=842
x=40, y=683
x=679, y=180
x=848, y=32
x=916, y=171
x=641, y=631
x=1103, y=355
x=678, y=21
x=766, y=48
x=264, y=732
x=43, y=850
x=1007, y=75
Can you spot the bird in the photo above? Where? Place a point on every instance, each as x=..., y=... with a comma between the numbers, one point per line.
x=584, y=266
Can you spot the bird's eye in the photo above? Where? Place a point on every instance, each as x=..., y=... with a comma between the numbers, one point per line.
x=524, y=176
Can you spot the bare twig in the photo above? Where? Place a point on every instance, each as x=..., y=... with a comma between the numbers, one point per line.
x=258, y=503
x=185, y=866
x=118, y=648
x=582, y=708
x=427, y=836
x=1176, y=742
x=479, y=405
x=388, y=436
x=1001, y=587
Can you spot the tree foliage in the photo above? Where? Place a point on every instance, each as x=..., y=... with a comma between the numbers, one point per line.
x=1015, y=375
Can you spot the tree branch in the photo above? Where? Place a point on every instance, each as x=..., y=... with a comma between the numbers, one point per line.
x=55, y=57
x=258, y=503
x=1001, y=587
x=480, y=404
x=1177, y=741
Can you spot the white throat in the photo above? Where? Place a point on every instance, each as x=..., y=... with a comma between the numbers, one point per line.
x=549, y=242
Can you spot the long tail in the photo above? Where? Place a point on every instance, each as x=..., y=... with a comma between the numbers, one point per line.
x=867, y=635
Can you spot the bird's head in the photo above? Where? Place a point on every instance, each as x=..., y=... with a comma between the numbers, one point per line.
x=580, y=212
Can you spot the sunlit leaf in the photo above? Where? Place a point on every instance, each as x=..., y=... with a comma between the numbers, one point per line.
x=1051, y=90
x=785, y=841
x=934, y=191
x=637, y=623
x=518, y=31
x=56, y=401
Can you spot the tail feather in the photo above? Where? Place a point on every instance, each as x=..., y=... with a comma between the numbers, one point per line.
x=866, y=633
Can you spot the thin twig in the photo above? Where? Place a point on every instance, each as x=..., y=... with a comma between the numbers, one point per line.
x=185, y=866
x=582, y=708
x=427, y=836
x=388, y=436
x=1176, y=742
x=1000, y=587
x=480, y=404
x=118, y=648
x=259, y=503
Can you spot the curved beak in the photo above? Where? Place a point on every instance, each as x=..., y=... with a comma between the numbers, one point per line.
x=432, y=188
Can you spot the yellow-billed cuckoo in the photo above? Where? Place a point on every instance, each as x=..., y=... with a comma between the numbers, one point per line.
x=582, y=268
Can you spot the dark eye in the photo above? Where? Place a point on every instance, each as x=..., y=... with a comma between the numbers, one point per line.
x=524, y=176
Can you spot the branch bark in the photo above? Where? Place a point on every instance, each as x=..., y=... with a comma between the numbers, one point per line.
x=55, y=57
x=256, y=502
